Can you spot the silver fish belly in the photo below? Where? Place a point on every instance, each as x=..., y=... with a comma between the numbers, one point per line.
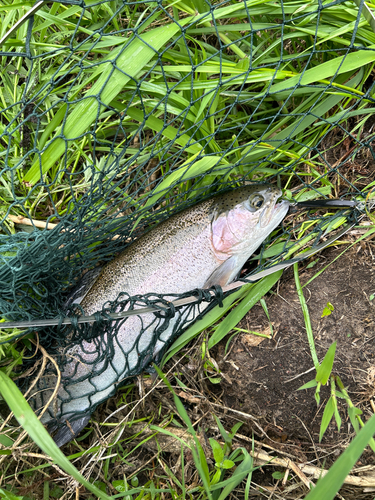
x=202, y=246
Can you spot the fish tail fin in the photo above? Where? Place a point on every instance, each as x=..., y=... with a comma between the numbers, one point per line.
x=68, y=430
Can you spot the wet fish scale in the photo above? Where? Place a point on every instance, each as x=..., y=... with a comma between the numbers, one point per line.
x=173, y=237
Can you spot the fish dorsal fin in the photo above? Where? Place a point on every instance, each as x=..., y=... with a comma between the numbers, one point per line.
x=225, y=273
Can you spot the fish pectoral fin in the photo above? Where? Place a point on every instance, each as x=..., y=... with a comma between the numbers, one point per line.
x=225, y=273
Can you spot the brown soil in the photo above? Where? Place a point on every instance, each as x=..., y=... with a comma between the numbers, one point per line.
x=267, y=376
x=262, y=381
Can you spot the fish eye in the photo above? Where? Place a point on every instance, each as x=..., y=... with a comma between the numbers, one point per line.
x=256, y=201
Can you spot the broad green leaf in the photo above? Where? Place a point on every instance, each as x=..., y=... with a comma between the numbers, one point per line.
x=227, y=464
x=345, y=115
x=245, y=468
x=312, y=264
x=217, y=451
x=7, y=495
x=29, y=421
x=231, y=69
x=312, y=194
x=318, y=108
x=325, y=368
x=327, y=310
x=343, y=64
x=215, y=380
x=272, y=251
x=278, y=474
x=227, y=28
x=230, y=81
x=5, y=440
x=216, y=477
x=120, y=485
x=16, y=6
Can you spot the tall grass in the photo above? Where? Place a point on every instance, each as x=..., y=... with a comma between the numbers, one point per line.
x=119, y=111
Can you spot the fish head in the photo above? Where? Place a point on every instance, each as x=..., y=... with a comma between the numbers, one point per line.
x=244, y=217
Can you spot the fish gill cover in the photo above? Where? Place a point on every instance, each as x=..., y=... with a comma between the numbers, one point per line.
x=141, y=109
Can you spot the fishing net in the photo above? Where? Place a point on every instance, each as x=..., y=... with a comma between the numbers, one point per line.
x=116, y=115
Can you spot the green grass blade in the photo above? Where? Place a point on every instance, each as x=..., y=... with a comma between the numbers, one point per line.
x=7, y=495
x=306, y=315
x=183, y=174
x=343, y=64
x=16, y=6
x=168, y=433
x=129, y=63
x=329, y=410
x=367, y=13
x=245, y=467
x=255, y=294
x=330, y=484
x=29, y=421
x=325, y=368
x=169, y=132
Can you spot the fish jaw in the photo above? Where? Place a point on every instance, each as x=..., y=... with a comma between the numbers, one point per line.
x=281, y=209
x=274, y=211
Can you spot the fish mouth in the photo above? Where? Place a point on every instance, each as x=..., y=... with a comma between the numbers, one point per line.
x=276, y=211
x=281, y=205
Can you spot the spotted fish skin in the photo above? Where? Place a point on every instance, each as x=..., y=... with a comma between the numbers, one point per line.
x=199, y=247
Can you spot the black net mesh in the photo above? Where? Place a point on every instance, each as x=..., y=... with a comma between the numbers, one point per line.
x=116, y=115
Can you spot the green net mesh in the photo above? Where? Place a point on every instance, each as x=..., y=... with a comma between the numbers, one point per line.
x=115, y=115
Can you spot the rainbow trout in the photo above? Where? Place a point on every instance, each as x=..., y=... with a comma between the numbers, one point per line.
x=199, y=247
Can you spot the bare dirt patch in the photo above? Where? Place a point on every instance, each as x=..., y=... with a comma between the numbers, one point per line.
x=266, y=377
x=263, y=380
